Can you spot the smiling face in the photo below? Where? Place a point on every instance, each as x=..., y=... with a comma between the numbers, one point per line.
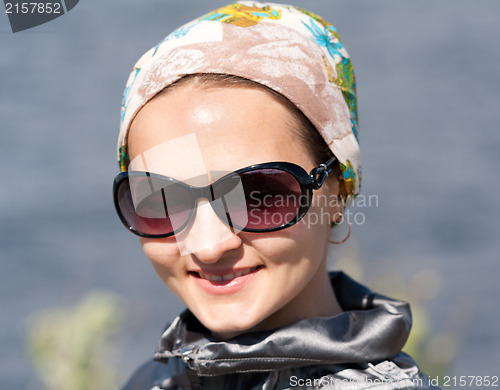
x=245, y=281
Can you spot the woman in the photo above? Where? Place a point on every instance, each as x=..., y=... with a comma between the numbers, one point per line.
x=238, y=149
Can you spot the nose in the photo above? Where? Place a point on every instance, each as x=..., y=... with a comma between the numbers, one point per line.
x=208, y=237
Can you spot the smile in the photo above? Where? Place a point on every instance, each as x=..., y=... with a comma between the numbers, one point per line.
x=225, y=277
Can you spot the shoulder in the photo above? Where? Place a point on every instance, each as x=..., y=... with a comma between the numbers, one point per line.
x=400, y=372
x=153, y=375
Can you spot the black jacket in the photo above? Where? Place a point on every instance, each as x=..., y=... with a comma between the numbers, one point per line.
x=357, y=349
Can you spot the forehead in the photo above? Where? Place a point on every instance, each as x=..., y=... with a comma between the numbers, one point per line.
x=215, y=128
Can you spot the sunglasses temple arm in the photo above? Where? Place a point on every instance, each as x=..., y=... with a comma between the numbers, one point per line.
x=318, y=175
x=329, y=165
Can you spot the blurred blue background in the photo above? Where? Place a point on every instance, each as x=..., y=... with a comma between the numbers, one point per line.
x=429, y=91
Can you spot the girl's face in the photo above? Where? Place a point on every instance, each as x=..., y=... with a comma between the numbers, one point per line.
x=245, y=281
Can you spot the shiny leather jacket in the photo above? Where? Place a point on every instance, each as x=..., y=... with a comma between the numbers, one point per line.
x=358, y=349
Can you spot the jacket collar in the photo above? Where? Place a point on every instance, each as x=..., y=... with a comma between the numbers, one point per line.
x=371, y=328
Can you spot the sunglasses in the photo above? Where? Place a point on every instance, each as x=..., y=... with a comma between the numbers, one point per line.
x=260, y=198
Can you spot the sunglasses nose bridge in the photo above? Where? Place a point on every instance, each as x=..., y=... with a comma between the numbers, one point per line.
x=216, y=202
x=203, y=193
x=207, y=195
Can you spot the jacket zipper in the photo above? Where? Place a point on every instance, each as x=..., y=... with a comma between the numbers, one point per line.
x=194, y=380
x=186, y=358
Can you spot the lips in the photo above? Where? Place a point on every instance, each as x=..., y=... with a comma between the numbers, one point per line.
x=226, y=277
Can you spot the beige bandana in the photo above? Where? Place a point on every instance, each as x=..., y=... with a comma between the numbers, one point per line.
x=285, y=48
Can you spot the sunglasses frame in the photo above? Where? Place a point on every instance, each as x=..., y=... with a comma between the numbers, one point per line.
x=307, y=182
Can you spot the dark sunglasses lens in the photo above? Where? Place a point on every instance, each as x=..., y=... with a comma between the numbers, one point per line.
x=269, y=198
x=154, y=206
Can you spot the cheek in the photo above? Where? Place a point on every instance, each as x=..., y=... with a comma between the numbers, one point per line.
x=164, y=256
x=326, y=205
x=311, y=234
x=304, y=242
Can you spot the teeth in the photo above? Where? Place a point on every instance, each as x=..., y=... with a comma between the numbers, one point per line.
x=227, y=277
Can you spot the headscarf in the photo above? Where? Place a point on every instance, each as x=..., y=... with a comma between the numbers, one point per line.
x=286, y=48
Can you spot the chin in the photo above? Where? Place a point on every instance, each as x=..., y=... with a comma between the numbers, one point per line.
x=223, y=329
